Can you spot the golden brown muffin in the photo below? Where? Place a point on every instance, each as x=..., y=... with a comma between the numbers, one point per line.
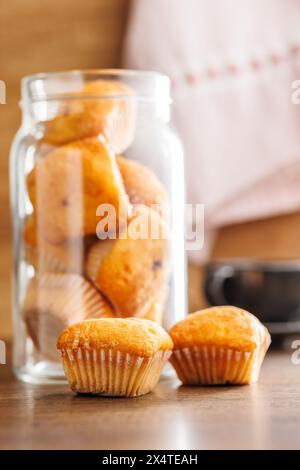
x=219, y=345
x=131, y=271
x=67, y=186
x=96, y=254
x=65, y=257
x=114, y=357
x=54, y=301
x=143, y=186
x=112, y=115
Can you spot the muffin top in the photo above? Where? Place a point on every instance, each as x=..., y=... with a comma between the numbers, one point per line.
x=81, y=117
x=131, y=335
x=225, y=326
x=143, y=186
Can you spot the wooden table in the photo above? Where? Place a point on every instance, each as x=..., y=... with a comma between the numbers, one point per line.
x=261, y=416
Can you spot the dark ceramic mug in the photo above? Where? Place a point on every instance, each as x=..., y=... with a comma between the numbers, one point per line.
x=269, y=289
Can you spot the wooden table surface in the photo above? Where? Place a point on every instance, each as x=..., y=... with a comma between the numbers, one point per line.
x=261, y=416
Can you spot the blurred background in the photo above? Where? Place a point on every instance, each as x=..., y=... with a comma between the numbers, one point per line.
x=231, y=67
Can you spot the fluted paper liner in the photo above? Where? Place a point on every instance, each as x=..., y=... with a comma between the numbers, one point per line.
x=55, y=301
x=110, y=372
x=43, y=262
x=213, y=365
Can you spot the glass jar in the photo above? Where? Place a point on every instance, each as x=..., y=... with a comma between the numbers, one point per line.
x=97, y=191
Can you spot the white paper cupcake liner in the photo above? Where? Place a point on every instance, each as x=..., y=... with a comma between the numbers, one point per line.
x=112, y=373
x=67, y=258
x=55, y=301
x=211, y=365
x=43, y=261
x=69, y=297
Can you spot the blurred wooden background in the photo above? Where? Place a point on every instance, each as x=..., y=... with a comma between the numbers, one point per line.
x=54, y=35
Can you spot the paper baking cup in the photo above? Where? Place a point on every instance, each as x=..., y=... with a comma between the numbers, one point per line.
x=67, y=257
x=43, y=261
x=43, y=329
x=211, y=365
x=112, y=373
x=68, y=296
x=55, y=301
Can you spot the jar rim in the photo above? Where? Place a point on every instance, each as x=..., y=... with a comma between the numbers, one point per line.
x=55, y=86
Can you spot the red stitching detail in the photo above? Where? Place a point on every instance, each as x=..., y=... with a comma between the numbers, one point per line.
x=255, y=64
x=233, y=69
x=295, y=50
x=276, y=59
x=212, y=74
x=191, y=78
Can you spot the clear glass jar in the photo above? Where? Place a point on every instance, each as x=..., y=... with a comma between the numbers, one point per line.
x=94, y=163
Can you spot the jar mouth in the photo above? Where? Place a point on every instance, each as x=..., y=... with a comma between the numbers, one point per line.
x=67, y=85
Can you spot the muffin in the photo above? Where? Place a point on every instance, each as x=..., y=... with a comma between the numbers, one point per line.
x=114, y=357
x=131, y=270
x=53, y=302
x=156, y=304
x=67, y=186
x=143, y=186
x=65, y=257
x=95, y=255
x=219, y=345
x=112, y=115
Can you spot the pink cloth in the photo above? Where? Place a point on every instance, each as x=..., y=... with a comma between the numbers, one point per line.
x=232, y=65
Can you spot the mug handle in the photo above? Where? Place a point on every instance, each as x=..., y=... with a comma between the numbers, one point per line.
x=215, y=282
